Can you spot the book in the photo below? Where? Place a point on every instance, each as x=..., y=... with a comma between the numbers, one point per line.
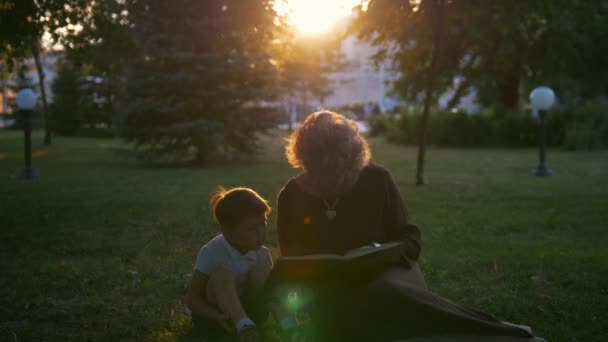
x=315, y=268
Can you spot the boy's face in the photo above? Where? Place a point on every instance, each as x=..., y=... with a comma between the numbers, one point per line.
x=249, y=234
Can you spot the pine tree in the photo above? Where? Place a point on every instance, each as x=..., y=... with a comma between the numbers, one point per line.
x=204, y=80
x=71, y=107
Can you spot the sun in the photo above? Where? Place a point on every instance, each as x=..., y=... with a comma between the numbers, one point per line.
x=314, y=17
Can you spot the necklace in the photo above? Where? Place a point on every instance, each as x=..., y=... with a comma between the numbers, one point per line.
x=330, y=209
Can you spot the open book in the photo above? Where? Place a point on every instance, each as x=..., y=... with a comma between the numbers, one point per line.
x=322, y=267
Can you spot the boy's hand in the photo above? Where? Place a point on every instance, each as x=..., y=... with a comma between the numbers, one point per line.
x=224, y=321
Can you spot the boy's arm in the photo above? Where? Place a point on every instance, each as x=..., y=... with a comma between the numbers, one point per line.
x=259, y=273
x=197, y=301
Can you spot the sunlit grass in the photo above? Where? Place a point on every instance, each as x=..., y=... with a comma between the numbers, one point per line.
x=100, y=247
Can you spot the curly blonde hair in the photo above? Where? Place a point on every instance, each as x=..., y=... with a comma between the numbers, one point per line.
x=330, y=150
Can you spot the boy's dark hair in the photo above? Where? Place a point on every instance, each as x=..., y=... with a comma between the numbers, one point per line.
x=230, y=206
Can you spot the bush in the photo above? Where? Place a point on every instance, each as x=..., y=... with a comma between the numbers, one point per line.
x=36, y=119
x=581, y=136
x=459, y=129
x=581, y=127
x=377, y=125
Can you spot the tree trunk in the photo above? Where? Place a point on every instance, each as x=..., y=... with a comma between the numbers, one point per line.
x=45, y=110
x=4, y=103
x=510, y=90
x=458, y=94
x=463, y=86
x=109, y=101
x=430, y=82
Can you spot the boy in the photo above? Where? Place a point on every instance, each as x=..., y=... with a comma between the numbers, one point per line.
x=231, y=269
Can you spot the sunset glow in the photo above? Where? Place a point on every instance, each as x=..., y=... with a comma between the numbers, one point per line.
x=314, y=17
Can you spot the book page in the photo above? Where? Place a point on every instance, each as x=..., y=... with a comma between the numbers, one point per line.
x=353, y=253
x=314, y=257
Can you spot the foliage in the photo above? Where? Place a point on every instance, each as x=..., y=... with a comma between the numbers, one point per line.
x=303, y=64
x=494, y=46
x=77, y=108
x=582, y=126
x=16, y=31
x=205, y=83
x=23, y=24
x=71, y=23
x=102, y=50
x=75, y=25
x=572, y=128
x=90, y=80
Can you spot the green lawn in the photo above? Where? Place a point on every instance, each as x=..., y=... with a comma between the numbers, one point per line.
x=100, y=247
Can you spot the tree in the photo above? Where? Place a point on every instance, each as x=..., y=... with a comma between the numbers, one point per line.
x=303, y=65
x=23, y=24
x=77, y=101
x=205, y=82
x=91, y=78
x=494, y=46
x=67, y=101
x=439, y=9
x=418, y=30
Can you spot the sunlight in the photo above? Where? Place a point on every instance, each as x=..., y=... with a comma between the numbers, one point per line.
x=314, y=17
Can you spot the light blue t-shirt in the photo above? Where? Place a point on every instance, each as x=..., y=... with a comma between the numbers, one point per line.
x=218, y=252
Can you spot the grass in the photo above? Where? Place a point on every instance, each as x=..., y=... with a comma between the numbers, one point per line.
x=99, y=247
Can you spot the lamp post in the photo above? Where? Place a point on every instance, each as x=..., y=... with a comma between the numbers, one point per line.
x=26, y=102
x=542, y=99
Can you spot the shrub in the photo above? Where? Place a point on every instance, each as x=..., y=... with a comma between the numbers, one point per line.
x=459, y=129
x=581, y=127
x=581, y=136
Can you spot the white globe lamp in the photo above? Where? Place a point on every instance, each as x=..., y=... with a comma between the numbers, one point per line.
x=542, y=99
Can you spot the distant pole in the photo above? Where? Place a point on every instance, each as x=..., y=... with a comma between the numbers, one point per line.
x=28, y=171
x=542, y=169
x=26, y=102
x=542, y=99
x=41, y=76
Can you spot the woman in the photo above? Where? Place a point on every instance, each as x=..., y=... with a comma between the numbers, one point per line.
x=342, y=201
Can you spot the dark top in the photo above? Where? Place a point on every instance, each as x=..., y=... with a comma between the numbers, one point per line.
x=371, y=211
x=383, y=307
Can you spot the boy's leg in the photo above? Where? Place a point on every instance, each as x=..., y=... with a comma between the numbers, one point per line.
x=259, y=302
x=258, y=276
x=222, y=290
x=255, y=298
x=206, y=328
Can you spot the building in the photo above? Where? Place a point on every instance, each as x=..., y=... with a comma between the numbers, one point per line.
x=365, y=84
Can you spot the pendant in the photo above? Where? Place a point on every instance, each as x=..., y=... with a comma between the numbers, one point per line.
x=330, y=213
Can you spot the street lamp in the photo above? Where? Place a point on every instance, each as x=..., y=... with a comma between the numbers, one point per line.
x=542, y=99
x=26, y=102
